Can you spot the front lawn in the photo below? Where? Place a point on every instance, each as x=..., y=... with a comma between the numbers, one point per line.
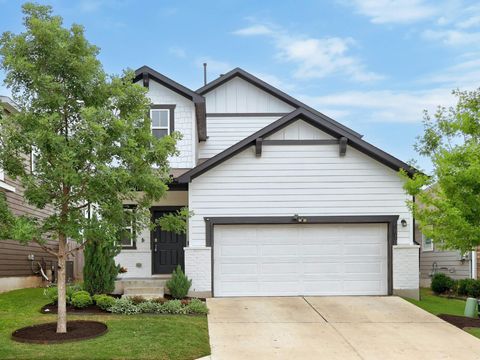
x=440, y=305
x=128, y=337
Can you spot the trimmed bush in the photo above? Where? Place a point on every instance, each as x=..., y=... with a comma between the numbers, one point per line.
x=473, y=288
x=100, y=271
x=150, y=307
x=104, y=302
x=124, y=306
x=81, y=299
x=173, y=307
x=71, y=289
x=179, y=284
x=441, y=283
x=462, y=286
x=196, y=306
x=51, y=292
x=137, y=299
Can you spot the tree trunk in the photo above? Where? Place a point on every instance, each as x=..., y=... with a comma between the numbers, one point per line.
x=61, y=286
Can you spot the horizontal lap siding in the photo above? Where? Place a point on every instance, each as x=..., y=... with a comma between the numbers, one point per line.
x=13, y=255
x=310, y=180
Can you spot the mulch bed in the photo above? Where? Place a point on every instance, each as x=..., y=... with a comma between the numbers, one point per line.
x=461, y=321
x=89, y=310
x=47, y=333
x=170, y=297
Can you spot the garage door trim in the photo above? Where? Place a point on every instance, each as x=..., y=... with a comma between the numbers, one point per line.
x=390, y=220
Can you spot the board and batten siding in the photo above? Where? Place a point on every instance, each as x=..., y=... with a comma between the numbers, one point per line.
x=224, y=132
x=239, y=96
x=309, y=180
x=184, y=123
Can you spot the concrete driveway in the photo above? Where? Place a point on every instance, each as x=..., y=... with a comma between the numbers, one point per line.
x=332, y=328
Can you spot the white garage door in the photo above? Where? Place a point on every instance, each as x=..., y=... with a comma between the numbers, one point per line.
x=307, y=259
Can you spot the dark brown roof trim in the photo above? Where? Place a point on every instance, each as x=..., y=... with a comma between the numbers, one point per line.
x=272, y=91
x=312, y=119
x=146, y=74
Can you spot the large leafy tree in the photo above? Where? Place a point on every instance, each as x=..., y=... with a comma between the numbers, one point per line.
x=447, y=205
x=90, y=134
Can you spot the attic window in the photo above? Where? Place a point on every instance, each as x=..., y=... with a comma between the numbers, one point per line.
x=162, y=117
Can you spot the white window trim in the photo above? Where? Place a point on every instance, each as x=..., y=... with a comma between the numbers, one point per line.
x=424, y=247
x=160, y=127
x=130, y=229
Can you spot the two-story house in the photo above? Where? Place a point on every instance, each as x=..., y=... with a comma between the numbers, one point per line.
x=286, y=200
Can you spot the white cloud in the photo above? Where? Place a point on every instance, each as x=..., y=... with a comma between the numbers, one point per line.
x=275, y=81
x=463, y=75
x=393, y=11
x=314, y=57
x=452, y=37
x=178, y=52
x=383, y=105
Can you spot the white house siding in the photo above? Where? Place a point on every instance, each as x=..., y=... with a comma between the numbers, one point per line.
x=184, y=122
x=299, y=130
x=310, y=180
x=139, y=261
x=224, y=132
x=239, y=96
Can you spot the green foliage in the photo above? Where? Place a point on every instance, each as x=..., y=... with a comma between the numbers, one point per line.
x=150, y=307
x=442, y=283
x=173, y=307
x=175, y=222
x=71, y=289
x=196, y=306
x=51, y=292
x=104, y=302
x=179, y=284
x=81, y=299
x=469, y=287
x=448, y=211
x=124, y=306
x=100, y=270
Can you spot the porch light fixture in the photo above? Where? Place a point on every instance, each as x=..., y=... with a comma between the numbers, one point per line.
x=299, y=219
x=404, y=223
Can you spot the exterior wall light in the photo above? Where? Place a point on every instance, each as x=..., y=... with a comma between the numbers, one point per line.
x=404, y=223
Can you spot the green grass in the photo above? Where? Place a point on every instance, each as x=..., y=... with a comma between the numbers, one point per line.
x=128, y=337
x=440, y=305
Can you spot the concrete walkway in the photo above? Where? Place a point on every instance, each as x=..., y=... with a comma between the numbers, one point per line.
x=332, y=328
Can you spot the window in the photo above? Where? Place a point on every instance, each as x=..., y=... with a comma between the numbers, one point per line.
x=427, y=243
x=162, y=120
x=33, y=160
x=127, y=234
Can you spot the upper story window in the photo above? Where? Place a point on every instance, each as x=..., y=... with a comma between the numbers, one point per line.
x=162, y=117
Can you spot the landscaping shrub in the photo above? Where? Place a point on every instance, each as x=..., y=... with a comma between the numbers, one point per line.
x=81, y=299
x=124, y=306
x=196, y=306
x=104, y=302
x=71, y=289
x=100, y=271
x=173, y=307
x=462, y=286
x=51, y=292
x=150, y=307
x=179, y=284
x=137, y=299
x=473, y=288
x=442, y=283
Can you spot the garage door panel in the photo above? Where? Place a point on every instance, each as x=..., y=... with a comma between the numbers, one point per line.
x=306, y=259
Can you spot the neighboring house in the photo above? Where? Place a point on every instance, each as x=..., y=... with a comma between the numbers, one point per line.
x=286, y=200
x=434, y=259
x=19, y=264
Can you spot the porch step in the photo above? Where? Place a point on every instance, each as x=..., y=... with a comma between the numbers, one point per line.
x=145, y=292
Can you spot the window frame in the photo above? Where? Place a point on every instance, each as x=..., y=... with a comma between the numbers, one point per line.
x=133, y=233
x=424, y=248
x=171, y=117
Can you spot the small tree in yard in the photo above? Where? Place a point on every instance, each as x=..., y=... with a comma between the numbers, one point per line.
x=90, y=134
x=179, y=284
x=99, y=269
x=449, y=211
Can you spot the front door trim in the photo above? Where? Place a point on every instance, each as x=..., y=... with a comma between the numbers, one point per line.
x=390, y=220
x=154, y=209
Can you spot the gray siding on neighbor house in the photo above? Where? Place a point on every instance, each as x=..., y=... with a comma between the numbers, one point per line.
x=448, y=262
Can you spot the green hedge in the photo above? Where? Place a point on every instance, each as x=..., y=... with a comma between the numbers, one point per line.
x=444, y=284
x=128, y=307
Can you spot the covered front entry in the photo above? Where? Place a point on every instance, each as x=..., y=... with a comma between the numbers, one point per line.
x=167, y=247
x=301, y=259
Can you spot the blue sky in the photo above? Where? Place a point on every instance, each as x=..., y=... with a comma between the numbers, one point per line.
x=373, y=65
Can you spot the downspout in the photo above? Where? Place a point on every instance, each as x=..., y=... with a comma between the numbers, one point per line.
x=473, y=265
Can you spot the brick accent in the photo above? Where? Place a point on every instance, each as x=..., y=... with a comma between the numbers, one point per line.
x=405, y=268
x=198, y=267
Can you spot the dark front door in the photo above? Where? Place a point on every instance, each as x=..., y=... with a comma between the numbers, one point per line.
x=167, y=247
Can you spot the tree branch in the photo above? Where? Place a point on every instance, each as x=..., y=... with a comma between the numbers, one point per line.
x=82, y=245
x=46, y=248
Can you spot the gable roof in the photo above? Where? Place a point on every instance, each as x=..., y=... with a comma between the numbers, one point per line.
x=311, y=118
x=146, y=73
x=238, y=72
x=8, y=104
